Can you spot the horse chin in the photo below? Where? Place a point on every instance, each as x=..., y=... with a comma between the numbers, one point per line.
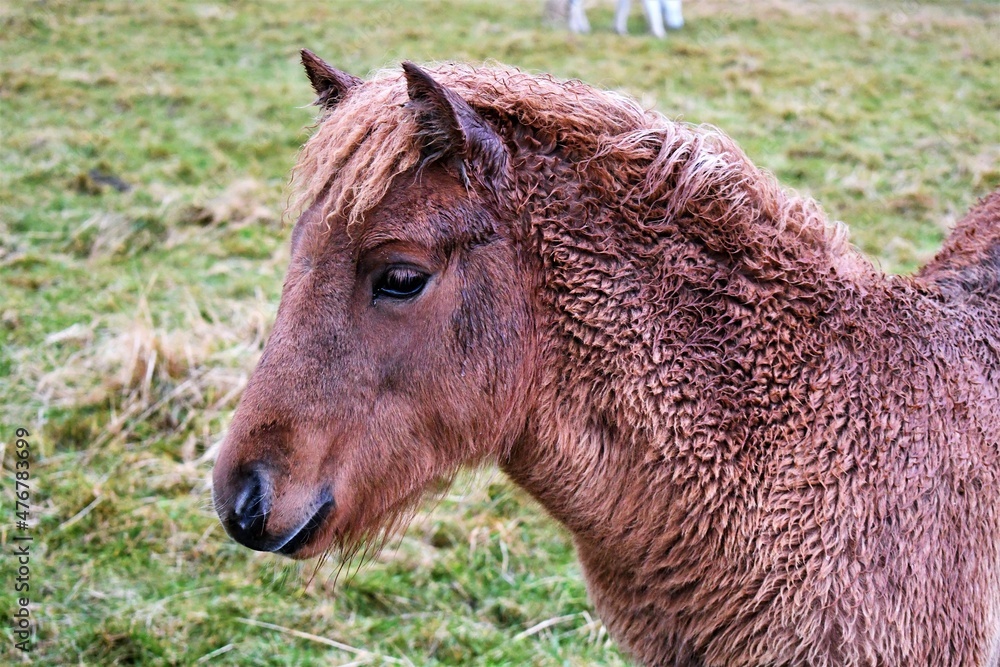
x=344, y=529
x=340, y=531
x=312, y=541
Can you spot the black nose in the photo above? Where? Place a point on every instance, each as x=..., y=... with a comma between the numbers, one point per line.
x=251, y=505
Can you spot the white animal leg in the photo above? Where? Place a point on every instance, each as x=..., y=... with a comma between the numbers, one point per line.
x=655, y=17
x=621, y=16
x=672, y=14
x=578, y=17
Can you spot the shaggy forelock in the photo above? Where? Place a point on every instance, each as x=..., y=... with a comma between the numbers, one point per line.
x=371, y=137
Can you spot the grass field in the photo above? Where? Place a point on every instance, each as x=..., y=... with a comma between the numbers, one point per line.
x=144, y=154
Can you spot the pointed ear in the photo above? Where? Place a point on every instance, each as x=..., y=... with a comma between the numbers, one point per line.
x=450, y=128
x=329, y=83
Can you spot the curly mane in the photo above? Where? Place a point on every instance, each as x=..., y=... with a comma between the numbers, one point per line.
x=646, y=165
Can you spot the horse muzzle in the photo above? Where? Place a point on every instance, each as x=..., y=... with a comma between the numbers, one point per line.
x=246, y=504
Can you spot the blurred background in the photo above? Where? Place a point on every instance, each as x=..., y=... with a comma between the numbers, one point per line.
x=145, y=150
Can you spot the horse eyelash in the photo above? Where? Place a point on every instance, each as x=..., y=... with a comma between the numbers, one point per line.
x=401, y=275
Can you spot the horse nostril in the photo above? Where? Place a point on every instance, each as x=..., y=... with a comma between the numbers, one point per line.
x=253, y=503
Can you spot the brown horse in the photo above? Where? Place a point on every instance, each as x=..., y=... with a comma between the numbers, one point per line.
x=768, y=451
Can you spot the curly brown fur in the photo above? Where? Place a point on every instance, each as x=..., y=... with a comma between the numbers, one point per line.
x=768, y=452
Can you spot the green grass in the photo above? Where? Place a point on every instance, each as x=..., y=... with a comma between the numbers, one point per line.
x=129, y=320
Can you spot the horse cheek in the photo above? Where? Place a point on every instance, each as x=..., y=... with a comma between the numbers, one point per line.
x=488, y=331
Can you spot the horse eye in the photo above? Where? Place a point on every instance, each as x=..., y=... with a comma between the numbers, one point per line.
x=399, y=283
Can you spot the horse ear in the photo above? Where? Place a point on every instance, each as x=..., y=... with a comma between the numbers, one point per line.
x=450, y=128
x=329, y=83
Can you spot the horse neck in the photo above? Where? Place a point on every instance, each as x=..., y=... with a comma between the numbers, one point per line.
x=652, y=337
